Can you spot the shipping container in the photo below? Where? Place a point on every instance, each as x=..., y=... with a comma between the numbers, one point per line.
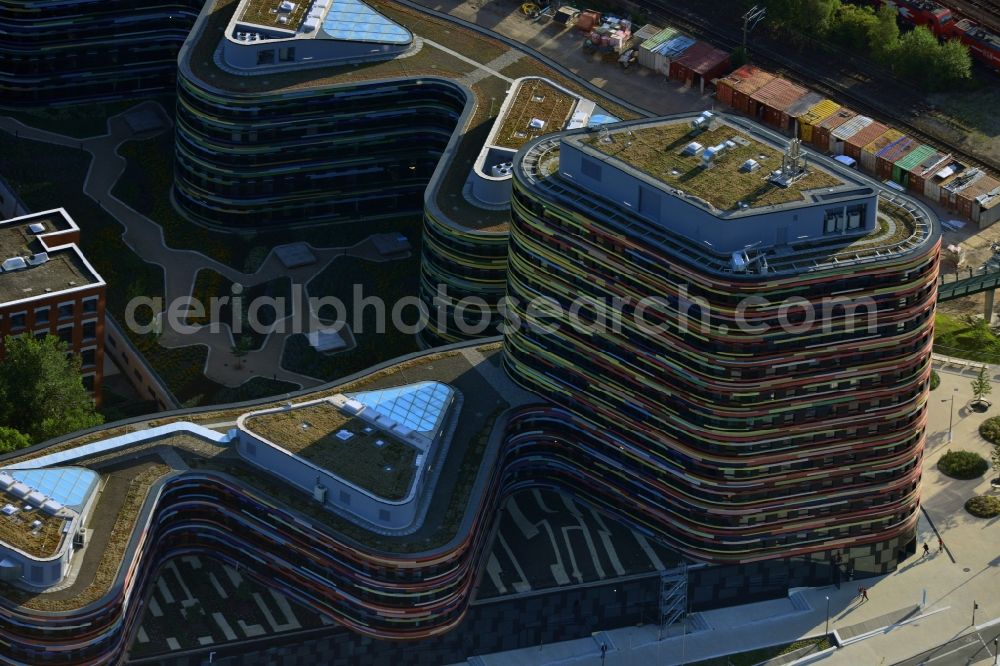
x=816, y=114
x=986, y=206
x=864, y=136
x=840, y=136
x=885, y=159
x=773, y=100
x=870, y=150
x=936, y=179
x=955, y=191
x=912, y=166
x=734, y=89
x=700, y=63
x=802, y=109
x=647, y=31
x=823, y=134
x=646, y=57
x=668, y=51
x=983, y=196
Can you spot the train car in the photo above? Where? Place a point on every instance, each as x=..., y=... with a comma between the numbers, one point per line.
x=983, y=43
x=935, y=16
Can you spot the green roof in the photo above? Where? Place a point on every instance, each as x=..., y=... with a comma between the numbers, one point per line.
x=915, y=157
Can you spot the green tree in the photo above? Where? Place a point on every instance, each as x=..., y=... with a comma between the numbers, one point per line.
x=853, y=25
x=954, y=63
x=12, y=440
x=41, y=391
x=802, y=18
x=981, y=385
x=883, y=40
x=995, y=459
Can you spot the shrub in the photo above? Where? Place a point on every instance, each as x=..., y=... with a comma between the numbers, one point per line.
x=990, y=430
x=935, y=379
x=984, y=506
x=963, y=464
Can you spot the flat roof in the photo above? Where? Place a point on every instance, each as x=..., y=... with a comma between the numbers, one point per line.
x=367, y=456
x=16, y=528
x=44, y=271
x=658, y=150
x=538, y=108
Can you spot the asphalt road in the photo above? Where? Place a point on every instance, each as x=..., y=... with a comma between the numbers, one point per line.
x=973, y=647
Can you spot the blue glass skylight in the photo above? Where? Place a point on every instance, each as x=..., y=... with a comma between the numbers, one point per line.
x=355, y=21
x=419, y=406
x=70, y=486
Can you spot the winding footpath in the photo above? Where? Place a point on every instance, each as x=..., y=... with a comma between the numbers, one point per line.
x=180, y=267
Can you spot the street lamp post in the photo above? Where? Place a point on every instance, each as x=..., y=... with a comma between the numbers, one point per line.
x=951, y=416
x=827, y=631
x=996, y=654
x=974, y=607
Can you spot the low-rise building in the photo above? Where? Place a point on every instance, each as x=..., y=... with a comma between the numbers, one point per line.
x=47, y=287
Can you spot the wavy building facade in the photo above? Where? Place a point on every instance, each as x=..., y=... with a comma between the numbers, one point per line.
x=771, y=400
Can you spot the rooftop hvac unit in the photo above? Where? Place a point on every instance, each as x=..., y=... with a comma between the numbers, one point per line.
x=750, y=166
x=319, y=493
x=80, y=539
x=537, y=123
x=711, y=153
x=502, y=170
x=38, y=259
x=36, y=228
x=702, y=121
x=693, y=148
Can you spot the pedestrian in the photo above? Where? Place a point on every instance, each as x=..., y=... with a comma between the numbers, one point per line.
x=861, y=589
x=864, y=594
x=927, y=550
x=940, y=544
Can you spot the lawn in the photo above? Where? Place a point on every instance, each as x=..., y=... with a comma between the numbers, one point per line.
x=210, y=285
x=534, y=100
x=955, y=336
x=390, y=281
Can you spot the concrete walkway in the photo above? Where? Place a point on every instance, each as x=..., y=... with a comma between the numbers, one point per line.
x=180, y=267
x=926, y=602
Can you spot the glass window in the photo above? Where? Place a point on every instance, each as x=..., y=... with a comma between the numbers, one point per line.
x=66, y=310
x=42, y=316
x=88, y=357
x=18, y=320
x=66, y=334
x=90, y=305
x=90, y=330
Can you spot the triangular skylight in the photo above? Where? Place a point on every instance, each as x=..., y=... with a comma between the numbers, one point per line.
x=355, y=21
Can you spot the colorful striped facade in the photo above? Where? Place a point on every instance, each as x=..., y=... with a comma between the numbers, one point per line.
x=57, y=52
x=734, y=446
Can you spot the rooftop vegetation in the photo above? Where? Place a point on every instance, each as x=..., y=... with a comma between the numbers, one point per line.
x=658, y=151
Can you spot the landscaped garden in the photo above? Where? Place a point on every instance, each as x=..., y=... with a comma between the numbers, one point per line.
x=966, y=337
x=390, y=281
x=963, y=465
x=984, y=506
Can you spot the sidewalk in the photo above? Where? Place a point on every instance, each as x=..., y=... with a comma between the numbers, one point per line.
x=967, y=570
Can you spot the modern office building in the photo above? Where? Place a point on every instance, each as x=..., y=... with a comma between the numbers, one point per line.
x=47, y=287
x=466, y=211
x=763, y=392
x=57, y=52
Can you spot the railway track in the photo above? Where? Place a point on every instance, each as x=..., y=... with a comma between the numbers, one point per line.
x=984, y=12
x=824, y=83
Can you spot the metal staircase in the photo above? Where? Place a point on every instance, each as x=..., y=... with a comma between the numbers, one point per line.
x=673, y=595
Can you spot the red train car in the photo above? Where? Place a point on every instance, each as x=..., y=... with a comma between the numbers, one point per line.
x=983, y=43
